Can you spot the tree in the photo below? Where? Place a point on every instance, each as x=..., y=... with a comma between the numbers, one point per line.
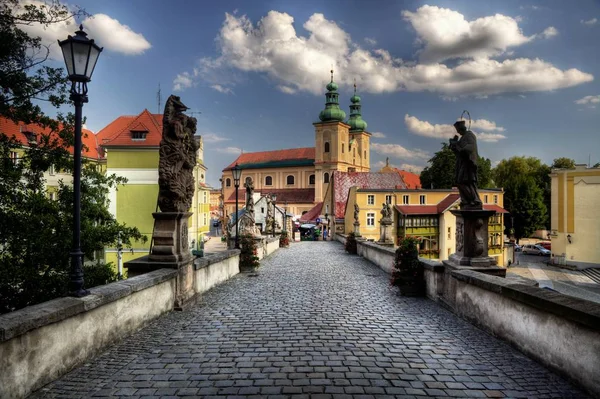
x=522, y=198
x=563, y=163
x=36, y=231
x=440, y=173
x=596, y=165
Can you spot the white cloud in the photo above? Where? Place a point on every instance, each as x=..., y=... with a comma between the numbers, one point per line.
x=549, y=32
x=370, y=41
x=286, y=89
x=212, y=138
x=400, y=152
x=222, y=89
x=182, y=81
x=302, y=63
x=229, y=150
x=590, y=22
x=378, y=135
x=106, y=31
x=588, y=100
x=427, y=129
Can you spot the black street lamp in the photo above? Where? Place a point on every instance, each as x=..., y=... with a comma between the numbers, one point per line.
x=80, y=54
x=285, y=216
x=236, y=171
x=274, y=199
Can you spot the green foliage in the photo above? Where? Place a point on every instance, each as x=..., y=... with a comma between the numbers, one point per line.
x=99, y=273
x=527, y=193
x=440, y=172
x=408, y=273
x=351, y=246
x=284, y=240
x=563, y=163
x=596, y=165
x=249, y=253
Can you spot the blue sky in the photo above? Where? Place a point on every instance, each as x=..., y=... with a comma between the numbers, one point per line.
x=527, y=72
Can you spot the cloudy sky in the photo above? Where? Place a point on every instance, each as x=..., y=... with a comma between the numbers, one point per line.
x=528, y=72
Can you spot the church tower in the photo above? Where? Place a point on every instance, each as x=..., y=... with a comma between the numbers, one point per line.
x=332, y=141
x=360, y=139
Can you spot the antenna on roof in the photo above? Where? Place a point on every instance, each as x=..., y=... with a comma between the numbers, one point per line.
x=192, y=113
x=158, y=98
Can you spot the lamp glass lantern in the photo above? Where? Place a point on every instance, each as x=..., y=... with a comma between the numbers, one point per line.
x=236, y=171
x=80, y=54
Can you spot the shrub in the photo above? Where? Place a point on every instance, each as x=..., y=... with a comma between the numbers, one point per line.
x=249, y=253
x=351, y=246
x=284, y=241
x=408, y=271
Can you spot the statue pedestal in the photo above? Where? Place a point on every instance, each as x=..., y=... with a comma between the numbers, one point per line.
x=170, y=250
x=385, y=235
x=357, y=229
x=472, y=243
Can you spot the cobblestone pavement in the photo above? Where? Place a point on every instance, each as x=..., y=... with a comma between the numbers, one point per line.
x=316, y=322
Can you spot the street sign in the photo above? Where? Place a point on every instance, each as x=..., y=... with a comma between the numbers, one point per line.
x=318, y=220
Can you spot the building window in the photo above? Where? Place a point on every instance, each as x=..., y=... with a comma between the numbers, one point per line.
x=485, y=199
x=262, y=209
x=354, y=151
x=388, y=199
x=268, y=181
x=422, y=199
x=290, y=180
x=449, y=233
x=228, y=182
x=53, y=196
x=138, y=136
x=370, y=199
x=365, y=154
x=370, y=219
x=14, y=156
x=311, y=179
x=496, y=199
x=327, y=208
x=351, y=170
x=326, y=178
x=405, y=199
x=342, y=148
x=51, y=170
x=326, y=146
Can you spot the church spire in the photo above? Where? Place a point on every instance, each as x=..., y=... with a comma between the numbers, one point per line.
x=357, y=124
x=332, y=111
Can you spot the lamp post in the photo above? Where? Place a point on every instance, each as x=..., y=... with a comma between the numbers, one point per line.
x=274, y=199
x=236, y=171
x=80, y=54
x=285, y=216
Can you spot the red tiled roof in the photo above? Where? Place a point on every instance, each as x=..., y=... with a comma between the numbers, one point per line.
x=118, y=132
x=417, y=209
x=492, y=207
x=17, y=130
x=278, y=157
x=312, y=214
x=342, y=181
x=411, y=180
x=447, y=202
x=291, y=195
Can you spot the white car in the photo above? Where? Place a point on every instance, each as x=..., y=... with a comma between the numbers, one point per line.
x=531, y=249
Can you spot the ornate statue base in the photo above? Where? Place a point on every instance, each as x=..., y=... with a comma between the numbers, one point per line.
x=356, y=229
x=170, y=250
x=385, y=235
x=472, y=243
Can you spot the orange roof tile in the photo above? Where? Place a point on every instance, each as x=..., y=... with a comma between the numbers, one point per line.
x=19, y=130
x=312, y=214
x=118, y=132
x=277, y=158
x=412, y=180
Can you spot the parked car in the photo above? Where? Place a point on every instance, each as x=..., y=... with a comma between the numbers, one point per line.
x=534, y=249
x=518, y=248
x=546, y=245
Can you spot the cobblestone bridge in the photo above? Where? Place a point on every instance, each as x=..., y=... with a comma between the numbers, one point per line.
x=317, y=322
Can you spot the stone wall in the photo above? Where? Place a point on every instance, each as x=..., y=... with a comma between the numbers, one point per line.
x=559, y=331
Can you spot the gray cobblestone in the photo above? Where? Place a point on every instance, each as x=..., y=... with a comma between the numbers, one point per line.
x=316, y=322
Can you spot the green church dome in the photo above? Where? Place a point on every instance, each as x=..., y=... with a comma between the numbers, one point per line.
x=356, y=122
x=332, y=111
x=355, y=99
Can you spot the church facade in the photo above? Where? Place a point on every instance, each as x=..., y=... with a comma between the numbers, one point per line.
x=300, y=176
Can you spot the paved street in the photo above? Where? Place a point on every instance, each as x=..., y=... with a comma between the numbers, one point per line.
x=318, y=322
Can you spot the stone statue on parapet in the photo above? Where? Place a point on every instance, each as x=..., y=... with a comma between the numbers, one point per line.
x=250, y=197
x=356, y=211
x=177, y=160
x=386, y=213
x=465, y=149
x=247, y=222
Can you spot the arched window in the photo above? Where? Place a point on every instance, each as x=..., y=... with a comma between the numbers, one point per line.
x=228, y=182
x=326, y=146
x=268, y=181
x=326, y=178
x=290, y=180
x=311, y=179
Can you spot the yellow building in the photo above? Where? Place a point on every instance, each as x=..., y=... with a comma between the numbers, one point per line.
x=301, y=176
x=425, y=215
x=575, y=215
